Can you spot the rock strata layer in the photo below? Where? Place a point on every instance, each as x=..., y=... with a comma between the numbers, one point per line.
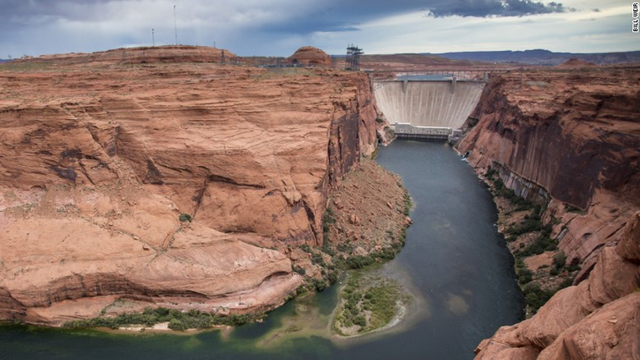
x=103, y=164
x=570, y=139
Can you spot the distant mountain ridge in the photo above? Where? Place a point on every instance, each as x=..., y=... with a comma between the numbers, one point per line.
x=541, y=57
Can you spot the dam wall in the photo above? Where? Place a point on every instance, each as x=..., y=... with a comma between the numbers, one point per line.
x=442, y=103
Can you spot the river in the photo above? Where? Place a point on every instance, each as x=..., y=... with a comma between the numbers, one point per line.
x=454, y=261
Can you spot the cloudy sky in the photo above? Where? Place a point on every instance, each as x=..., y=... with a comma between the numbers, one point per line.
x=279, y=27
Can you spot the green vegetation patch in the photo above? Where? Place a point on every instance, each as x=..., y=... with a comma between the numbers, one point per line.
x=407, y=203
x=573, y=209
x=327, y=220
x=536, y=297
x=530, y=282
x=367, y=302
x=522, y=272
x=178, y=320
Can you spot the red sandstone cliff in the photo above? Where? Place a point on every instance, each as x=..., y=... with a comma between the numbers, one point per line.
x=98, y=160
x=570, y=137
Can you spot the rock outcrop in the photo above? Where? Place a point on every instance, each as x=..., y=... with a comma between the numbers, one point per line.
x=597, y=319
x=310, y=56
x=576, y=63
x=132, y=56
x=102, y=167
x=571, y=139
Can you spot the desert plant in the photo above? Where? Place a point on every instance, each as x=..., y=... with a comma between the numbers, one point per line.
x=559, y=260
x=524, y=276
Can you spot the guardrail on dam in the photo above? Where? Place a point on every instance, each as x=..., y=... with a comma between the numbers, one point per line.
x=417, y=107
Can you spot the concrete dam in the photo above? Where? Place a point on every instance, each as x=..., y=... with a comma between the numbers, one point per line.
x=427, y=108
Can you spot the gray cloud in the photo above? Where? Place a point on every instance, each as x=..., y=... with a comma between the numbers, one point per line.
x=328, y=15
x=487, y=8
x=20, y=11
x=269, y=27
x=338, y=15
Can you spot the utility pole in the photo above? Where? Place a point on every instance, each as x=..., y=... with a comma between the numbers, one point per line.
x=175, y=23
x=214, y=44
x=153, y=37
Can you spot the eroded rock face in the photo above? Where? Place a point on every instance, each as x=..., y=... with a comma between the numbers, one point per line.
x=575, y=136
x=571, y=133
x=613, y=332
x=98, y=162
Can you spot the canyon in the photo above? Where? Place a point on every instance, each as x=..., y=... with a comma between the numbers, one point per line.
x=160, y=176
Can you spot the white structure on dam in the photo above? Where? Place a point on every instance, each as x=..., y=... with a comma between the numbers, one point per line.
x=432, y=108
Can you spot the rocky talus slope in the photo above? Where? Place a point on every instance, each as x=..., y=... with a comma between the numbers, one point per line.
x=102, y=164
x=569, y=139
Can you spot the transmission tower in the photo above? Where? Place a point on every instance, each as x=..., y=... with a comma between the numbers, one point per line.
x=353, y=57
x=175, y=24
